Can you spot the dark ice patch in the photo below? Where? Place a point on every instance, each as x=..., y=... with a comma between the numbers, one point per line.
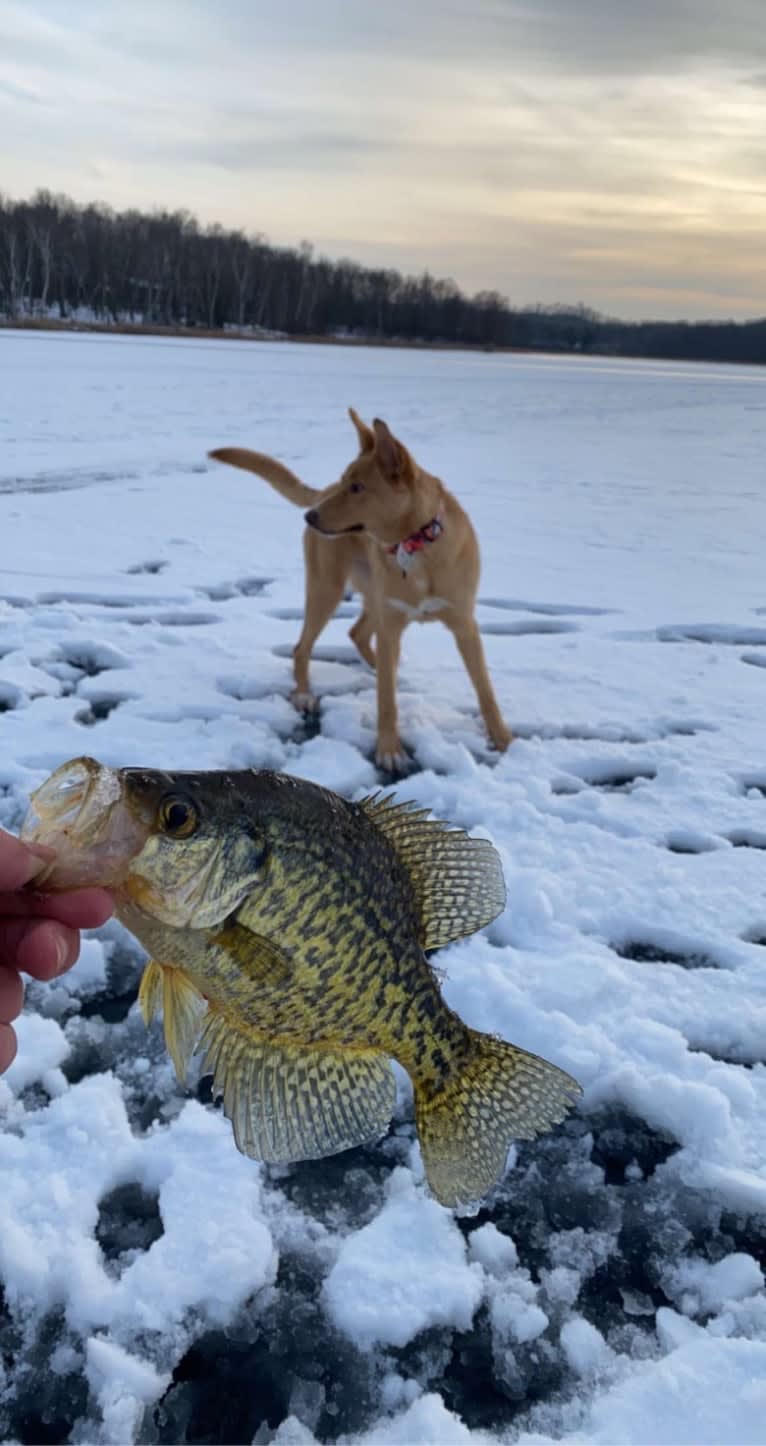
x=648, y=951
x=129, y=1221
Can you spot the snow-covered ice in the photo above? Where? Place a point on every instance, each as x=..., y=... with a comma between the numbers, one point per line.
x=154, y=1285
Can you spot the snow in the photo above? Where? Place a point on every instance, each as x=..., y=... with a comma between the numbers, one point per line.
x=701, y=1395
x=584, y=1347
x=612, y=1287
x=403, y=1273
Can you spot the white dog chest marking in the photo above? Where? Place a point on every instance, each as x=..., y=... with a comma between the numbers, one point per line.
x=417, y=612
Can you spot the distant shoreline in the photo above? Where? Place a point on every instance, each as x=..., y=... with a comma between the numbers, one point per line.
x=200, y=333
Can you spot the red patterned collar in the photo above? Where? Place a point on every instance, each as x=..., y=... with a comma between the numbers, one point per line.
x=405, y=550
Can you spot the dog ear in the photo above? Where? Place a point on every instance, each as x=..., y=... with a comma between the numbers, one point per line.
x=366, y=439
x=393, y=459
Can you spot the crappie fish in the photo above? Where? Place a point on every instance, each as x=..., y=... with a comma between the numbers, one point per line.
x=288, y=930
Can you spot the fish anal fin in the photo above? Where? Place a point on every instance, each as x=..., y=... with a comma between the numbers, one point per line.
x=465, y=1130
x=457, y=880
x=183, y=1010
x=290, y=1102
x=150, y=991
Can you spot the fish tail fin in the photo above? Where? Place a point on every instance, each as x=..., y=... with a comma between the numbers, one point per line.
x=501, y=1094
x=275, y=473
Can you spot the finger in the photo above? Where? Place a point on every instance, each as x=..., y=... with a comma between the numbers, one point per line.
x=81, y=909
x=41, y=947
x=7, y=1046
x=11, y=995
x=21, y=862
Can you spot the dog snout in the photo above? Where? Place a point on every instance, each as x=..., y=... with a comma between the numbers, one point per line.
x=312, y=517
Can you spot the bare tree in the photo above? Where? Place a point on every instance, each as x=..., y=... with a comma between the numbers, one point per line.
x=165, y=269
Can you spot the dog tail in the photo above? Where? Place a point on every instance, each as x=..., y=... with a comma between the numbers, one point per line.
x=280, y=477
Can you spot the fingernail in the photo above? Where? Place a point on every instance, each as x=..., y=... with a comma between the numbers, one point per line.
x=62, y=955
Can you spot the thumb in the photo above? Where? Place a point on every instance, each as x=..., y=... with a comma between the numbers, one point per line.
x=21, y=863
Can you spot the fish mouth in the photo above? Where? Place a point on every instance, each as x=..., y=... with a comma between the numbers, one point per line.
x=80, y=811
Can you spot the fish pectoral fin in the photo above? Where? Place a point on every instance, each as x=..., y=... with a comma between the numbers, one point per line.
x=183, y=1010
x=465, y=1130
x=260, y=959
x=289, y=1102
x=458, y=880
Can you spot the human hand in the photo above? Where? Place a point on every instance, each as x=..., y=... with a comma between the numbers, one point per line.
x=39, y=933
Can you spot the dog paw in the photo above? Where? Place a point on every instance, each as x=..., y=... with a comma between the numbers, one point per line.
x=304, y=702
x=391, y=758
x=501, y=738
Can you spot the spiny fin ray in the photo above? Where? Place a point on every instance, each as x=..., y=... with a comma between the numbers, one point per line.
x=296, y=1102
x=458, y=881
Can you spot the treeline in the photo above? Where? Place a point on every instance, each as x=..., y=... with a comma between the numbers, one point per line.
x=70, y=262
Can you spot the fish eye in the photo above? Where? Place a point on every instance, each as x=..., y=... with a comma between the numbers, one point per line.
x=178, y=817
x=356, y=487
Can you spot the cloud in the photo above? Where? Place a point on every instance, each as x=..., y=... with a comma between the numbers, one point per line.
x=597, y=150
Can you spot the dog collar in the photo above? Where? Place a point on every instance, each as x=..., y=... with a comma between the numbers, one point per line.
x=405, y=551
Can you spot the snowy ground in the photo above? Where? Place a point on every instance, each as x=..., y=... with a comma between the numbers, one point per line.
x=158, y=1287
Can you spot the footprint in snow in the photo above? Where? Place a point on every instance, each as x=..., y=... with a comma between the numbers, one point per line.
x=515, y=605
x=610, y=776
x=729, y=634
x=654, y=951
x=686, y=841
x=152, y=567
x=346, y=610
x=245, y=587
x=324, y=653
x=99, y=709
x=525, y=627
x=746, y=838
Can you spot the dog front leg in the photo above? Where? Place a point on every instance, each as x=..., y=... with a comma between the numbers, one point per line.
x=326, y=571
x=389, y=753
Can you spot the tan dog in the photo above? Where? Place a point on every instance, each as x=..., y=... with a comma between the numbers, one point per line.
x=404, y=542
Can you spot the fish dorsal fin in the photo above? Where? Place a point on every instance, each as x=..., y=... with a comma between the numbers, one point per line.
x=183, y=1010
x=290, y=1102
x=458, y=880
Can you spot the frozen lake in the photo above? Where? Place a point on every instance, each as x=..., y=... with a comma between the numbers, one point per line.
x=155, y=1285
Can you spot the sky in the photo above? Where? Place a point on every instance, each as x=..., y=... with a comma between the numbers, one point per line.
x=609, y=152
